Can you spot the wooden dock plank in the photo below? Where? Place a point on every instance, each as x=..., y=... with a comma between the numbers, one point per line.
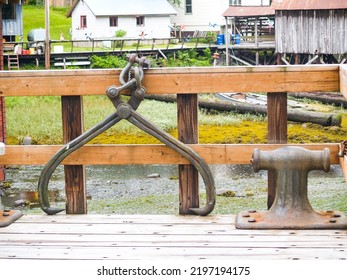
x=140, y=253
x=115, y=237
x=332, y=240
x=127, y=219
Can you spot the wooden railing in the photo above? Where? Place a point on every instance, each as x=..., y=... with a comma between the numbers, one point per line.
x=187, y=83
x=117, y=44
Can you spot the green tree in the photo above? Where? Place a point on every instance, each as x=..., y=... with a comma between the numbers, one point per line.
x=176, y=2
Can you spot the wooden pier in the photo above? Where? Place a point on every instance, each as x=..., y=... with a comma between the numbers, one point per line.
x=157, y=237
x=102, y=237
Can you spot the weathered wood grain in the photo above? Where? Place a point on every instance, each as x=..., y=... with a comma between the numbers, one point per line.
x=146, y=154
x=142, y=237
x=175, y=80
x=343, y=80
x=276, y=132
x=311, y=31
x=75, y=186
x=188, y=133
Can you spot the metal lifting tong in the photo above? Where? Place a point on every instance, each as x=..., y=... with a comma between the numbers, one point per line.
x=127, y=111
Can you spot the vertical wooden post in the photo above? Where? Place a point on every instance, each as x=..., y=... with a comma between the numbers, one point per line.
x=297, y=58
x=226, y=42
x=256, y=32
x=187, y=117
x=2, y=100
x=47, y=35
x=277, y=129
x=277, y=132
x=1, y=44
x=72, y=113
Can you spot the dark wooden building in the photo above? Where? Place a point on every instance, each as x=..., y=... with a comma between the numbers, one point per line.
x=3, y=3
x=311, y=27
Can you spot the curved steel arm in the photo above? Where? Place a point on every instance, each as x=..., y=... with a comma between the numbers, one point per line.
x=139, y=121
x=127, y=111
x=61, y=154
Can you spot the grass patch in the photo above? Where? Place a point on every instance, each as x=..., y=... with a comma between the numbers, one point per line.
x=168, y=205
x=34, y=17
x=37, y=117
x=40, y=118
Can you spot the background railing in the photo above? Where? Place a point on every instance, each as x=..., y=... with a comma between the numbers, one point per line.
x=113, y=44
x=187, y=83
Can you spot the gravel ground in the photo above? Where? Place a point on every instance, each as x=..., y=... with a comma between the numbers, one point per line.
x=113, y=185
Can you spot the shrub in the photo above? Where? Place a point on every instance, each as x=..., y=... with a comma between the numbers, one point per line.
x=108, y=61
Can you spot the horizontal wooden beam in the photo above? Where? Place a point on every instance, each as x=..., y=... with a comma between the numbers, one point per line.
x=145, y=154
x=187, y=80
x=343, y=80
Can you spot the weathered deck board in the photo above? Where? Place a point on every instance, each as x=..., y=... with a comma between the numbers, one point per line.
x=112, y=237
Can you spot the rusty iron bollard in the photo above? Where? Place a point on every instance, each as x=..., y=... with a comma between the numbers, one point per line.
x=8, y=217
x=291, y=208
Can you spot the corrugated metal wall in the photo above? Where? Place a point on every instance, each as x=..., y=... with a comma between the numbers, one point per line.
x=13, y=27
x=311, y=31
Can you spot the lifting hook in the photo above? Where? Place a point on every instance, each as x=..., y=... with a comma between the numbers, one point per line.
x=127, y=111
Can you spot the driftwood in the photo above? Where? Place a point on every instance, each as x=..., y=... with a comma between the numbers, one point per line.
x=334, y=98
x=324, y=119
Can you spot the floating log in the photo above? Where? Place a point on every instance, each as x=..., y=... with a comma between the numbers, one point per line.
x=324, y=119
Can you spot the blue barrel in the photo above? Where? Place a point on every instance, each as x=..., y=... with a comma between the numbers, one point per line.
x=237, y=39
x=220, y=39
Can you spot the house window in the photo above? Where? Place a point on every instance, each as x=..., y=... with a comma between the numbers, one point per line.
x=113, y=21
x=189, y=7
x=9, y=11
x=140, y=21
x=235, y=2
x=83, y=22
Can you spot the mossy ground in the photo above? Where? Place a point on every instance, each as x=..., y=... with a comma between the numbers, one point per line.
x=218, y=129
x=246, y=132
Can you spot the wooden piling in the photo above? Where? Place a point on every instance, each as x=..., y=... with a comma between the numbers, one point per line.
x=276, y=132
x=72, y=114
x=187, y=118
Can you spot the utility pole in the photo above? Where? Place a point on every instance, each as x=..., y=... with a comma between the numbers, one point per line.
x=47, y=40
x=1, y=44
x=2, y=99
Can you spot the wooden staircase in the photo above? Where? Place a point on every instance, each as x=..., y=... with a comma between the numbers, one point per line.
x=13, y=62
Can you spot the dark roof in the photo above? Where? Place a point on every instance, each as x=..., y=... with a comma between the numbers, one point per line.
x=10, y=1
x=249, y=11
x=309, y=4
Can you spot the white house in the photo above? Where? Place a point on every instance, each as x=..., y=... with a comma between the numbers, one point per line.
x=199, y=15
x=102, y=18
x=206, y=15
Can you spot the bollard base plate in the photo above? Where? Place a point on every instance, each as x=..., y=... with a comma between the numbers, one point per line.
x=270, y=220
x=8, y=217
